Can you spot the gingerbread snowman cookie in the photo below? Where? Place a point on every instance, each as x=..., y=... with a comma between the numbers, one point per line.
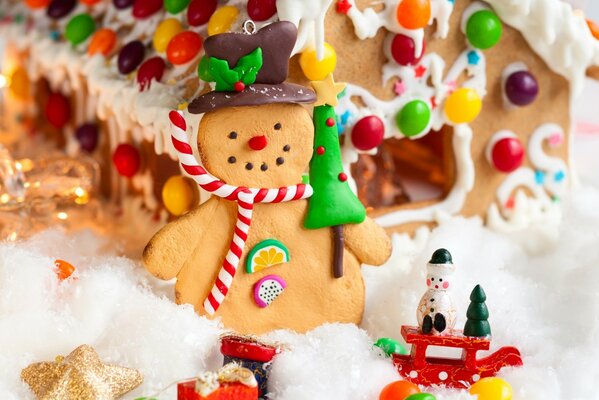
x=249, y=255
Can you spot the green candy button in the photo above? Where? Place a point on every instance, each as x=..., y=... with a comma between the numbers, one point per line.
x=413, y=118
x=175, y=6
x=484, y=29
x=390, y=346
x=421, y=396
x=79, y=28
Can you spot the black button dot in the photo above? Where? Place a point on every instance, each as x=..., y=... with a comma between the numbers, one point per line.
x=233, y=135
x=278, y=126
x=280, y=160
x=264, y=167
x=286, y=147
x=249, y=166
x=231, y=160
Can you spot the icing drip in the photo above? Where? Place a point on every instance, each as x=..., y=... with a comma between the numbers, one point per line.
x=557, y=33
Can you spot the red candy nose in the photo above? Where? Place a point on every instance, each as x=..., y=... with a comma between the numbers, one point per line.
x=257, y=142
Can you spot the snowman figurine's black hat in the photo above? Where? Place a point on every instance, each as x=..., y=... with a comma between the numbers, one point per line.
x=441, y=261
x=250, y=69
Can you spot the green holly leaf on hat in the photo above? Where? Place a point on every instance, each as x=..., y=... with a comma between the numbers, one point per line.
x=219, y=71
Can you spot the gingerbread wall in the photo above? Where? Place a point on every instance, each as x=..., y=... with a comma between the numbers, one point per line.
x=360, y=62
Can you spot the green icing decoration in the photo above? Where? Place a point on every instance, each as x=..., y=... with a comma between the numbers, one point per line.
x=245, y=71
x=477, y=324
x=390, y=346
x=333, y=202
x=204, y=70
x=254, y=255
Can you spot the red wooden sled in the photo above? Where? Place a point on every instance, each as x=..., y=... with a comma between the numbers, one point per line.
x=454, y=373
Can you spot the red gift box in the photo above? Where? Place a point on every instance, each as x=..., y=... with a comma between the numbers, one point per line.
x=226, y=391
x=231, y=382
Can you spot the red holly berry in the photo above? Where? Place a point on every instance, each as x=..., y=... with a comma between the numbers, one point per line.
x=342, y=176
x=330, y=122
x=320, y=150
x=239, y=86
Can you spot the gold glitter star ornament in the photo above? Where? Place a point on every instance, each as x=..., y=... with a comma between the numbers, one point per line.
x=80, y=376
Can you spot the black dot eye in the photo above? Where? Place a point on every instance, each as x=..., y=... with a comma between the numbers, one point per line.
x=233, y=135
x=264, y=167
x=278, y=126
x=280, y=160
x=231, y=160
x=249, y=166
x=286, y=147
x=440, y=280
x=432, y=279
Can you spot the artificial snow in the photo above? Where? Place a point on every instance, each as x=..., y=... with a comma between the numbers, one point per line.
x=545, y=303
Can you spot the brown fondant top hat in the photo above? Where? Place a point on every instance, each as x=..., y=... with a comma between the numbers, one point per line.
x=249, y=69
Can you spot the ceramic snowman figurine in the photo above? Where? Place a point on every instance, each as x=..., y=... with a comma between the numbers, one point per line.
x=436, y=312
x=245, y=255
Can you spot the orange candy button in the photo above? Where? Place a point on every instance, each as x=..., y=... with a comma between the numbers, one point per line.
x=102, y=42
x=37, y=3
x=183, y=47
x=398, y=390
x=414, y=14
x=63, y=269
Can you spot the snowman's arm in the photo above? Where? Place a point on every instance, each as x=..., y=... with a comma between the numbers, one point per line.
x=368, y=242
x=166, y=253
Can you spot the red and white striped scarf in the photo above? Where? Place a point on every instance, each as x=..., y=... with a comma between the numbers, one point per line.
x=245, y=198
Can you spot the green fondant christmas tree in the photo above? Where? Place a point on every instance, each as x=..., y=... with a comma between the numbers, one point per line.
x=477, y=324
x=333, y=203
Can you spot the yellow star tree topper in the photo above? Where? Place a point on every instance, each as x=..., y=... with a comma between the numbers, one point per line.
x=327, y=91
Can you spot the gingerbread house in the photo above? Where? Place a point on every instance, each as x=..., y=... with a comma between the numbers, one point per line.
x=452, y=108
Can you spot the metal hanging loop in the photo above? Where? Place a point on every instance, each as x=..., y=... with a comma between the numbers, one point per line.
x=249, y=27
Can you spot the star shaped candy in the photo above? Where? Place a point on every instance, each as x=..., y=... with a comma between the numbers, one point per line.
x=327, y=91
x=419, y=71
x=343, y=6
x=473, y=57
x=80, y=376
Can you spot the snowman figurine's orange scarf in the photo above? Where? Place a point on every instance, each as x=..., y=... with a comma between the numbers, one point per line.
x=245, y=198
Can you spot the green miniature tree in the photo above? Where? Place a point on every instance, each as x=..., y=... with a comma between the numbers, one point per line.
x=333, y=203
x=477, y=324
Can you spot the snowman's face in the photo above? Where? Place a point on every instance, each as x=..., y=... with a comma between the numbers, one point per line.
x=438, y=281
x=257, y=146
